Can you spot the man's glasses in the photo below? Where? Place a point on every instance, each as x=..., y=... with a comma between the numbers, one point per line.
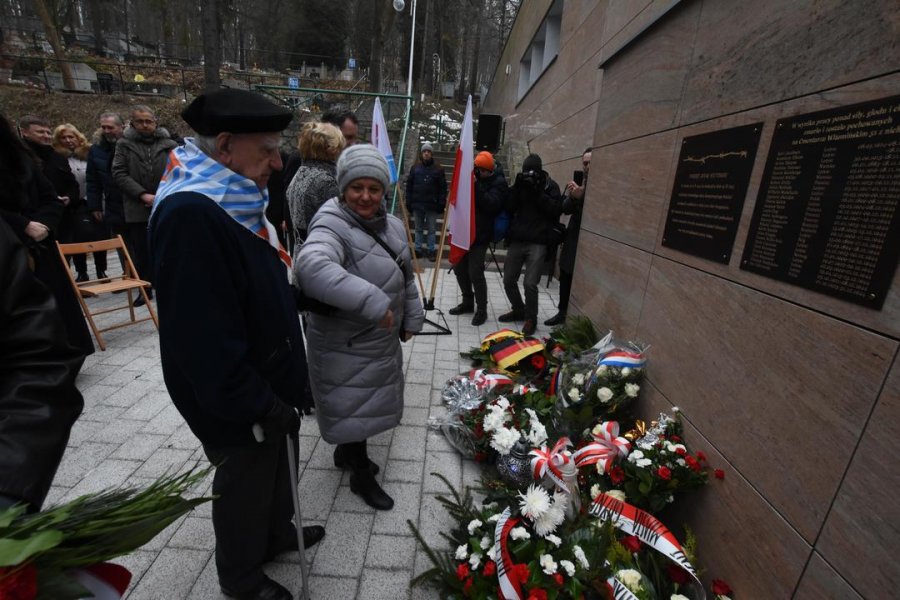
x=143, y=121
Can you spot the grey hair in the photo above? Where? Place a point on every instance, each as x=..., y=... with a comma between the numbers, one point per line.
x=206, y=143
x=112, y=115
x=142, y=108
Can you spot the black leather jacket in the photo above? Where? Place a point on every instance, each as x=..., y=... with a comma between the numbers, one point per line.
x=39, y=402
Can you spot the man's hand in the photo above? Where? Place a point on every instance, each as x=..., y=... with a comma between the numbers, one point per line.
x=64, y=199
x=281, y=420
x=147, y=199
x=97, y=215
x=573, y=190
x=387, y=321
x=37, y=231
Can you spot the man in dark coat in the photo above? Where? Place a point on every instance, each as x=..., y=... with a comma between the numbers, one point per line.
x=426, y=195
x=137, y=167
x=229, y=332
x=491, y=192
x=104, y=199
x=534, y=205
x=39, y=402
x=573, y=203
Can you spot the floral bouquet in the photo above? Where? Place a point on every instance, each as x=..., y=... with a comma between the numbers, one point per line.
x=657, y=469
x=598, y=385
x=498, y=424
x=45, y=556
x=528, y=549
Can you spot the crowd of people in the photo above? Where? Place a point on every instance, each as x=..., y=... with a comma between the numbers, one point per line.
x=236, y=237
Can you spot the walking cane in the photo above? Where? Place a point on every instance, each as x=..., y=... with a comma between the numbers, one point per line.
x=292, y=464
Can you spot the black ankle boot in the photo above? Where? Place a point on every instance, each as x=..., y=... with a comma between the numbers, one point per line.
x=462, y=308
x=363, y=484
x=342, y=461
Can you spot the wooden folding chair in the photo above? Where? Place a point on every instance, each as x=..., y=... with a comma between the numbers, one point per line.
x=127, y=282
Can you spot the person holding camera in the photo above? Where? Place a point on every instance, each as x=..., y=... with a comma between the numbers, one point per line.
x=534, y=206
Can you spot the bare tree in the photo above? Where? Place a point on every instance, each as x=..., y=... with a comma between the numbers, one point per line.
x=53, y=38
x=212, y=48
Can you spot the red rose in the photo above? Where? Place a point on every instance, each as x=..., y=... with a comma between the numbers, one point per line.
x=18, y=583
x=692, y=463
x=538, y=361
x=480, y=457
x=558, y=578
x=719, y=473
x=677, y=574
x=537, y=594
x=479, y=430
x=462, y=571
x=522, y=573
x=664, y=473
x=675, y=439
x=680, y=451
x=467, y=588
x=632, y=543
x=720, y=588
x=617, y=475
x=701, y=456
x=490, y=568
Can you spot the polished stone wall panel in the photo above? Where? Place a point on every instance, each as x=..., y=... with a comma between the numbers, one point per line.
x=769, y=383
x=861, y=537
x=821, y=581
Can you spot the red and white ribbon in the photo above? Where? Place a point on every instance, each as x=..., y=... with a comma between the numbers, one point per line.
x=634, y=521
x=605, y=449
x=620, y=358
x=551, y=462
x=510, y=588
x=486, y=380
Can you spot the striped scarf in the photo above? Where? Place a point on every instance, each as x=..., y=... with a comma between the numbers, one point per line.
x=190, y=170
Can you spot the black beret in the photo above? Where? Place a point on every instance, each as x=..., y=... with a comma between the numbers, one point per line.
x=234, y=111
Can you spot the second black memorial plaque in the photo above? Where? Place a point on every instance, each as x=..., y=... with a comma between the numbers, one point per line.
x=709, y=190
x=828, y=212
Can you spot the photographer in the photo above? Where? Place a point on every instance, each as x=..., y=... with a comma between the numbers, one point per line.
x=534, y=205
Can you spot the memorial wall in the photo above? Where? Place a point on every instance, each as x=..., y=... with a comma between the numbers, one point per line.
x=743, y=218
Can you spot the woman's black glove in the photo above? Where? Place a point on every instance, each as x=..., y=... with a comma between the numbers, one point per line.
x=281, y=420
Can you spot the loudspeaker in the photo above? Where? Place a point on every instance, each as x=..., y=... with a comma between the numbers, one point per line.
x=490, y=128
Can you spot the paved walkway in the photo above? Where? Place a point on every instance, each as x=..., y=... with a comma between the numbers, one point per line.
x=130, y=433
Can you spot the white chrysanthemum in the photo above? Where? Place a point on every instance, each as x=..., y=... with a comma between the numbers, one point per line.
x=595, y=490
x=462, y=552
x=548, y=565
x=635, y=456
x=494, y=518
x=485, y=543
x=494, y=420
x=537, y=434
x=550, y=520
x=574, y=394
x=604, y=394
x=580, y=557
x=493, y=553
x=504, y=440
x=519, y=533
x=474, y=560
x=678, y=597
x=534, y=502
x=578, y=379
x=473, y=525
x=569, y=567
x=626, y=371
x=617, y=494
x=502, y=402
x=632, y=389
x=555, y=540
x=631, y=579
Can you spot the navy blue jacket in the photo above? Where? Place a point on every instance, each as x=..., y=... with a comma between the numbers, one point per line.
x=102, y=192
x=490, y=197
x=229, y=332
x=426, y=187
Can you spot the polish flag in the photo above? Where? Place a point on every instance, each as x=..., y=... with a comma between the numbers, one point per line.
x=462, y=193
x=105, y=581
x=381, y=140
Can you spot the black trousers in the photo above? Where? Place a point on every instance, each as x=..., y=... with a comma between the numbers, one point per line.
x=470, y=276
x=88, y=230
x=252, y=514
x=565, y=288
x=136, y=240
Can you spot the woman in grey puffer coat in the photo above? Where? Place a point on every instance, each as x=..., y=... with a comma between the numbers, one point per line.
x=354, y=355
x=315, y=182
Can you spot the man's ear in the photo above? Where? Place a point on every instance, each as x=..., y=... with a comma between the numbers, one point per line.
x=223, y=145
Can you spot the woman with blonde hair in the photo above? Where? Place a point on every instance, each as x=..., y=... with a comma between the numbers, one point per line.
x=315, y=181
x=72, y=144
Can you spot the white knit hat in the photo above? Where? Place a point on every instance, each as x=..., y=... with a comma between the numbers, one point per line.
x=427, y=146
x=360, y=161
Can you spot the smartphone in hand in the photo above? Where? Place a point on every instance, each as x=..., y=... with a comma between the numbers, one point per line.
x=578, y=178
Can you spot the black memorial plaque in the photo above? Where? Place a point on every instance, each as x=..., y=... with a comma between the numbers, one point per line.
x=827, y=217
x=708, y=195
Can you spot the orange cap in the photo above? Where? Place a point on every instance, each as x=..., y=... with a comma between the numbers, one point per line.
x=484, y=160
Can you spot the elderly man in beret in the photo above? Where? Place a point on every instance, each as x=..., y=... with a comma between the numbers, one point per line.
x=230, y=339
